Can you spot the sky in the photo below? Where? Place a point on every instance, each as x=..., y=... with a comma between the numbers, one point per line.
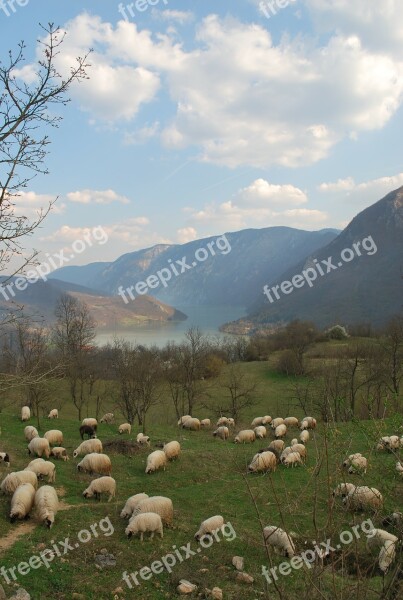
x=201, y=117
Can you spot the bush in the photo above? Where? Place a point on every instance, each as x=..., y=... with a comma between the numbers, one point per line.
x=288, y=364
x=337, y=333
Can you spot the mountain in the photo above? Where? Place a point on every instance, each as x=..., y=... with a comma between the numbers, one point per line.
x=242, y=262
x=358, y=289
x=39, y=301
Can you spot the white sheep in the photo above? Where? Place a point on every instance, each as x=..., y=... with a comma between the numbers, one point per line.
x=280, y=431
x=310, y=421
x=260, y=432
x=285, y=453
x=5, y=458
x=246, y=436
x=279, y=539
x=399, y=468
x=101, y=485
x=11, y=482
x=107, y=418
x=205, y=423
x=304, y=437
x=293, y=459
x=263, y=462
x=142, y=439
x=91, y=422
x=209, y=526
x=22, y=502
x=291, y=422
x=231, y=422
x=191, y=424
x=158, y=504
x=221, y=432
x=363, y=498
x=266, y=420
x=379, y=538
x=358, y=465
x=222, y=421
x=59, y=452
x=25, y=413
x=393, y=442
x=89, y=447
x=125, y=428
x=276, y=422
x=54, y=437
x=42, y=468
x=183, y=419
x=54, y=414
x=347, y=461
x=293, y=442
x=156, y=460
x=95, y=463
x=257, y=422
x=277, y=445
x=148, y=522
x=30, y=433
x=46, y=505
x=40, y=447
x=343, y=489
x=301, y=449
x=172, y=450
x=131, y=504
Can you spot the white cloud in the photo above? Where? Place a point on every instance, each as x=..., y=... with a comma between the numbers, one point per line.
x=96, y=197
x=140, y=136
x=262, y=193
x=361, y=194
x=31, y=204
x=187, y=234
x=179, y=16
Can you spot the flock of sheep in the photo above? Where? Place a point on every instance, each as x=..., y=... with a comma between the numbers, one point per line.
x=150, y=514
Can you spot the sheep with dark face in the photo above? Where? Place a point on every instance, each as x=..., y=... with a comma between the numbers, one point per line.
x=87, y=430
x=5, y=458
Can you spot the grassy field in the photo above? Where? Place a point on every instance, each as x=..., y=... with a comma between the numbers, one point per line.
x=208, y=479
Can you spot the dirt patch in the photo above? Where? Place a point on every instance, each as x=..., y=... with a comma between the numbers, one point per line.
x=13, y=536
x=122, y=447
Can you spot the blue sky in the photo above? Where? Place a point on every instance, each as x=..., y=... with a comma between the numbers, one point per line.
x=202, y=117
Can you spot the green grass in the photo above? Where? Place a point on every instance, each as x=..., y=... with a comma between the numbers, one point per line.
x=208, y=479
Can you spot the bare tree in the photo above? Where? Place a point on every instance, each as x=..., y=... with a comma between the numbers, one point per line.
x=392, y=344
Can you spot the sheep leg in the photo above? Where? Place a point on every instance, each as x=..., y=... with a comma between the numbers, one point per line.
x=152, y=535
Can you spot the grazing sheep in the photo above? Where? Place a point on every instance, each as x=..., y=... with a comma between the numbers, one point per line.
x=205, y=423
x=276, y=422
x=5, y=458
x=143, y=439
x=30, y=433
x=192, y=424
x=260, y=432
x=246, y=436
x=88, y=447
x=348, y=460
x=54, y=437
x=209, y=526
x=25, y=413
x=95, y=463
x=125, y=428
x=22, y=502
x=46, y=504
x=304, y=425
x=358, y=465
x=59, y=452
x=107, y=418
x=172, y=450
x=293, y=442
x=293, y=459
x=291, y=422
x=393, y=443
x=279, y=539
x=285, y=453
x=257, y=422
x=222, y=421
x=91, y=422
x=148, y=522
x=158, y=504
x=42, y=468
x=379, y=538
x=131, y=504
x=301, y=449
x=266, y=420
x=156, y=460
x=277, y=445
x=363, y=498
x=87, y=430
x=40, y=447
x=183, y=419
x=304, y=437
x=393, y=520
x=101, y=485
x=399, y=468
x=222, y=432
x=280, y=431
x=310, y=421
x=13, y=480
x=54, y=414
x=263, y=462
x=272, y=450
x=231, y=422
x=343, y=489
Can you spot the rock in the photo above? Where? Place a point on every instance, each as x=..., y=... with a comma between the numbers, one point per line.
x=2, y=593
x=21, y=595
x=244, y=578
x=216, y=593
x=104, y=551
x=238, y=563
x=118, y=590
x=202, y=571
x=105, y=560
x=185, y=587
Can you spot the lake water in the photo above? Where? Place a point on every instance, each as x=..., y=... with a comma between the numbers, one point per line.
x=207, y=318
